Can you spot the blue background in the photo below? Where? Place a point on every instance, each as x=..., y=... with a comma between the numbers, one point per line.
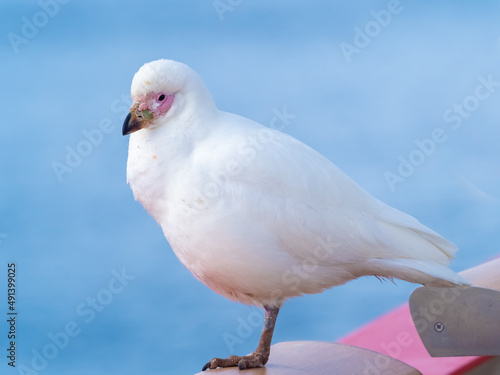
x=67, y=234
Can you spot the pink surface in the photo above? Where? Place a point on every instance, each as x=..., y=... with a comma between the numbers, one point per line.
x=395, y=335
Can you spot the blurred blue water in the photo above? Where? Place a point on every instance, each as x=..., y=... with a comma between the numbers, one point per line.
x=67, y=234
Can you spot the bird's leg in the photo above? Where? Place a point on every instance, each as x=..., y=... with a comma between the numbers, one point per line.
x=260, y=356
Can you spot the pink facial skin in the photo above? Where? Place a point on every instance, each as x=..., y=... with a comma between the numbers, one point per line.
x=157, y=103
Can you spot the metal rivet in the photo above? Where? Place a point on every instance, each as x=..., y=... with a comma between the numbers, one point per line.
x=439, y=327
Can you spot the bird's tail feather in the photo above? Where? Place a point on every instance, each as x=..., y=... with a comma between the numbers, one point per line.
x=417, y=271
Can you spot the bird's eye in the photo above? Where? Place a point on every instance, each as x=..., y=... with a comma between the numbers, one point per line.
x=161, y=98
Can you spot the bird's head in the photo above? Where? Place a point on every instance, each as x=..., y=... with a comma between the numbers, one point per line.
x=159, y=89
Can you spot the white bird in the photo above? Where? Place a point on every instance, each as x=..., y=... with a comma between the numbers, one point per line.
x=256, y=215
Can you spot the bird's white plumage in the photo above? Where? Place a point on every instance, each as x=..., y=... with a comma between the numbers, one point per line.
x=257, y=215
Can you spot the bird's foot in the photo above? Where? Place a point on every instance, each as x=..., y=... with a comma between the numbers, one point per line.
x=248, y=361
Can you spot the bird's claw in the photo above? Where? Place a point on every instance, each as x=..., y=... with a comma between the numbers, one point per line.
x=248, y=361
x=222, y=362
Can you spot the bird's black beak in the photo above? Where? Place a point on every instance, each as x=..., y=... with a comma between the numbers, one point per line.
x=132, y=123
